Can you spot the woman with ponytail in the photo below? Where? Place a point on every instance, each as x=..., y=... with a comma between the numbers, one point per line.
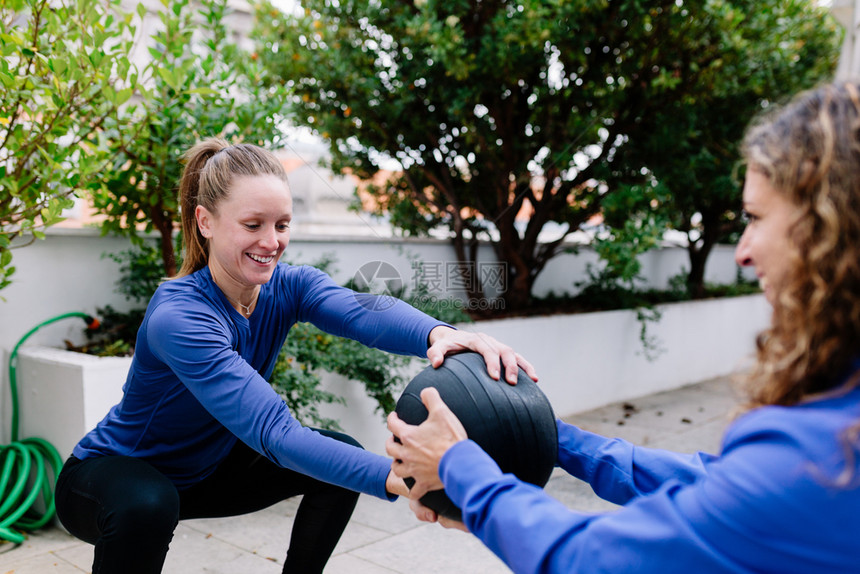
x=199, y=431
x=783, y=495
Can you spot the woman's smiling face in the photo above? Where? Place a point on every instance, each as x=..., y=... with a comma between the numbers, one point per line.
x=765, y=244
x=249, y=232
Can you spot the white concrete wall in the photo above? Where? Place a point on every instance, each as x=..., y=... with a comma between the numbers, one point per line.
x=588, y=360
x=65, y=272
x=68, y=272
x=847, y=12
x=62, y=395
x=584, y=361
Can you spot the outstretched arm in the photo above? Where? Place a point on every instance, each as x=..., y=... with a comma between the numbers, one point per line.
x=619, y=471
x=394, y=326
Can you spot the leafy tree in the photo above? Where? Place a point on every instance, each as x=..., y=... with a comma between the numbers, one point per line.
x=497, y=109
x=693, y=147
x=630, y=228
x=202, y=85
x=64, y=75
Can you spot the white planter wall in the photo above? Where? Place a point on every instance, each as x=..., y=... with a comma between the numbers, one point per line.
x=584, y=361
x=62, y=395
x=68, y=272
x=588, y=360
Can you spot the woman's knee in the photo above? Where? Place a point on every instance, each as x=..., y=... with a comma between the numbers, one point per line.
x=116, y=497
x=153, y=510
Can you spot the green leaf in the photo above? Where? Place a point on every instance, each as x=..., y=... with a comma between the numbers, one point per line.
x=169, y=77
x=203, y=91
x=11, y=39
x=124, y=95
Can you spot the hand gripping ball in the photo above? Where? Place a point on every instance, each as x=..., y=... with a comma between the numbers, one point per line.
x=514, y=424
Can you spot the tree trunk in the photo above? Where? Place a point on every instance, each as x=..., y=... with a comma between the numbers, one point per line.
x=164, y=225
x=698, y=258
x=699, y=255
x=696, y=277
x=519, y=292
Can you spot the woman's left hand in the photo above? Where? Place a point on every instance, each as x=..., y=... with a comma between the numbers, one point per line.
x=445, y=341
x=424, y=514
x=395, y=485
x=420, y=447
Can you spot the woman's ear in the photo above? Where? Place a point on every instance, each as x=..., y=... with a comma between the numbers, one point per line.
x=204, y=221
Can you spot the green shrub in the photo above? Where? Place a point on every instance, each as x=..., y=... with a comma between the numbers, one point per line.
x=308, y=352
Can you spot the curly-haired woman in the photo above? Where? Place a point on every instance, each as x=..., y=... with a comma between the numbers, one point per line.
x=783, y=495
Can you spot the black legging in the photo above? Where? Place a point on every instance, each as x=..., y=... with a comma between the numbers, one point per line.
x=129, y=510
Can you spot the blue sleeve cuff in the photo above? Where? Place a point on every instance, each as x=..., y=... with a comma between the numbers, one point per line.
x=464, y=464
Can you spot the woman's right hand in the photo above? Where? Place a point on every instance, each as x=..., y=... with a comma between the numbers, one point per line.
x=425, y=514
x=418, y=448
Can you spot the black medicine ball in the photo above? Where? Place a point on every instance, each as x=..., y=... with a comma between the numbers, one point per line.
x=514, y=424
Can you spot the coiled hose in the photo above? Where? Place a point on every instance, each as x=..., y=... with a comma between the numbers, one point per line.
x=28, y=467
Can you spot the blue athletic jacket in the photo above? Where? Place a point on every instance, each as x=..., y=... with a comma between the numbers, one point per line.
x=775, y=500
x=198, y=379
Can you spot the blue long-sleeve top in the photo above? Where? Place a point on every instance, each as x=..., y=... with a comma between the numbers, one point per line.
x=775, y=500
x=198, y=379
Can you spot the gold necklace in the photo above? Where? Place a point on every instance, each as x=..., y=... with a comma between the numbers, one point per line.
x=246, y=308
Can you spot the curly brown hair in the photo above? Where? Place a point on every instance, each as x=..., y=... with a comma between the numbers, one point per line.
x=810, y=151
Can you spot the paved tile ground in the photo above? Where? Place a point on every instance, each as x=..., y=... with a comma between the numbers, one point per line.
x=385, y=538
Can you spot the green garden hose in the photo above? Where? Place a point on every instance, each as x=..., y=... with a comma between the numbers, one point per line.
x=24, y=474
